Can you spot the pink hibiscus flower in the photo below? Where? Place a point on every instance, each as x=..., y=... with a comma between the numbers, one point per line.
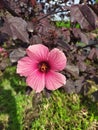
x=1, y=49
x=40, y=67
x=3, y=52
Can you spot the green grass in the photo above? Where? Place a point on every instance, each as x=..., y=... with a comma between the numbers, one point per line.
x=63, y=24
x=61, y=111
x=66, y=24
x=96, y=1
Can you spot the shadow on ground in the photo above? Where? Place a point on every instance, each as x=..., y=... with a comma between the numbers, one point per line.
x=8, y=107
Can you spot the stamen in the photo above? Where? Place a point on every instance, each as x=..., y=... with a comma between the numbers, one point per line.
x=44, y=67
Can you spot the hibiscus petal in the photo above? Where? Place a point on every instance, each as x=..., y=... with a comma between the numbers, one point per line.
x=38, y=52
x=54, y=80
x=57, y=59
x=25, y=66
x=36, y=81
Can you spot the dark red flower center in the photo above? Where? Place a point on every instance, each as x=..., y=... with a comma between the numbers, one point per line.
x=44, y=67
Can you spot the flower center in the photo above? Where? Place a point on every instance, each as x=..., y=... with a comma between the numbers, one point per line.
x=44, y=67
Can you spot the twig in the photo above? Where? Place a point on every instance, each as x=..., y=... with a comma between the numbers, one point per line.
x=54, y=12
x=93, y=44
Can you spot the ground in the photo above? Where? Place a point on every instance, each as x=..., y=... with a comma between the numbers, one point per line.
x=75, y=105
